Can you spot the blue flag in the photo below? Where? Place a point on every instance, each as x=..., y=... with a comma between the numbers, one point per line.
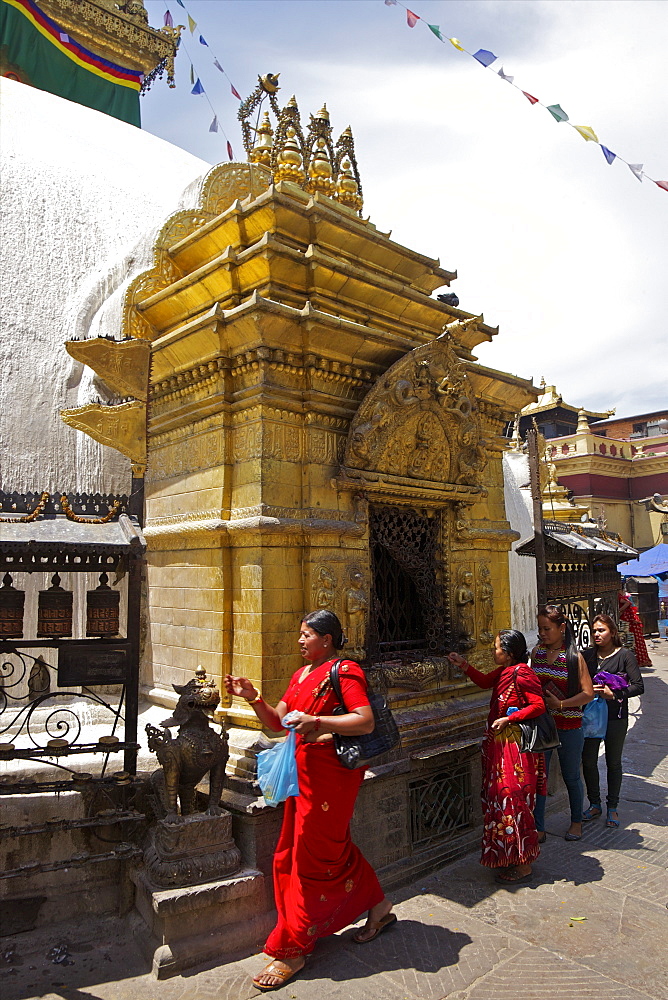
x=198, y=88
x=608, y=155
x=202, y=41
x=484, y=56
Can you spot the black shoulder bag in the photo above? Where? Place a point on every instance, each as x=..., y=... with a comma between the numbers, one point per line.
x=356, y=751
x=538, y=734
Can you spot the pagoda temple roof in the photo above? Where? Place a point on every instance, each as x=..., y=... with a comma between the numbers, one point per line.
x=581, y=538
x=549, y=399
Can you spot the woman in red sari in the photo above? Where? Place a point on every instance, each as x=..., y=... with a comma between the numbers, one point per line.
x=322, y=882
x=629, y=614
x=509, y=838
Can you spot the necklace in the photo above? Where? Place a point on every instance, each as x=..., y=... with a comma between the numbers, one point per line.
x=607, y=655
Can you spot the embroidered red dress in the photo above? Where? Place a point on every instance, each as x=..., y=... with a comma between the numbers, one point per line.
x=510, y=778
x=322, y=882
x=632, y=618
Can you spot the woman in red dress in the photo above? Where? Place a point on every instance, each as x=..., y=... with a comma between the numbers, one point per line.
x=322, y=882
x=509, y=838
x=629, y=614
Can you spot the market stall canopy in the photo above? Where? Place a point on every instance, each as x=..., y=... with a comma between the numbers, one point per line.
x=654, y=562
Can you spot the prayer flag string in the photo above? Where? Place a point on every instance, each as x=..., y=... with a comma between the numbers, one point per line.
x=197, y=87
x=487, y=59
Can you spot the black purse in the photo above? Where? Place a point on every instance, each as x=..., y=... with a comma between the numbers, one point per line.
x=539, y=734
x=356, y=751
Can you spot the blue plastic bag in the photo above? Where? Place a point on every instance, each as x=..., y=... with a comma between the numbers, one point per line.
x=595, y=719
x=277, y=771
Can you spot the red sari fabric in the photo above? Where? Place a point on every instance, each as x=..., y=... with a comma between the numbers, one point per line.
x=510, y=778
x=632, y=618
x=322, y=882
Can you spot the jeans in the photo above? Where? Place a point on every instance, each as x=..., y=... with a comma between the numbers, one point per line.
x=614, y=743
x=570, y=757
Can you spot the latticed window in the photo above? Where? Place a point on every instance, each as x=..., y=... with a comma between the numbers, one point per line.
x=407, y=611
x=441, y=804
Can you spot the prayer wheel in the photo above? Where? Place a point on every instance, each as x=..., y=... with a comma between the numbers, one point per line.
x=11, y=610
x=54, y=611
x=102, y=610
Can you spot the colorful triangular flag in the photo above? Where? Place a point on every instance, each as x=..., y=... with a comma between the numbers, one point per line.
x=508, y=79
x=214, y=127
x=457, y=44
x=203, y=41
x=390, y=3
x=229, y=150
x=169, y=23
x=192, y=73
x=437, y=31
x=218, y=66
x=198, y=88
x=609, y=155
x=235, y=92
x=530, y=98
x=557, y=112
x=587, y=132
x=191, y=24
x=484, y=56
x=662, y=184
x=411, y=18
x=180, y=3
x=636, y=169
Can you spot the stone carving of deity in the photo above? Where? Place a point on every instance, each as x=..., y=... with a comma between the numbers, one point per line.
x=465, y=601
x=486, y=603
x=356, y=606
x=325, y=590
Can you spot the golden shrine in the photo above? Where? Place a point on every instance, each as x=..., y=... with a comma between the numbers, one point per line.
x=319, y=434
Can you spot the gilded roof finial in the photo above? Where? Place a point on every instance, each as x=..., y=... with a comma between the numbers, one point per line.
x=583, y=423
x=346, y=187
x=320, y=171
x=261, y=152
x=289, y=160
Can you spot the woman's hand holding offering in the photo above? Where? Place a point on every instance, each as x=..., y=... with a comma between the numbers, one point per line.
x=499, y=724
x=603, y=691
x=456, y=660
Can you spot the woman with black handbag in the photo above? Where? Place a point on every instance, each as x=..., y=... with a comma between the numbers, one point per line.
x=322, y=882
x=510, y=776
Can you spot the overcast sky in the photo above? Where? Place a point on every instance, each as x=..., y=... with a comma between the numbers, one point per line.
x=566, y=253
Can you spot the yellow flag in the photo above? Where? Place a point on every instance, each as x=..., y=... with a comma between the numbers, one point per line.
x=457, y=44
x=191, y=24
x=586, y=132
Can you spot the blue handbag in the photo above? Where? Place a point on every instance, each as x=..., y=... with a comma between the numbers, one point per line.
x=277, y=771
x=595, y=719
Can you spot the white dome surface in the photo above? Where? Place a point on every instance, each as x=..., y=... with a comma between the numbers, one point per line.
x=83, y=197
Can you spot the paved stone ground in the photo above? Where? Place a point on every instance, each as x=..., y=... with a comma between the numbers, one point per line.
x=459, y=935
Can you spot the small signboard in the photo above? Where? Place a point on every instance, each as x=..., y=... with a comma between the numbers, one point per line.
x=90, y=663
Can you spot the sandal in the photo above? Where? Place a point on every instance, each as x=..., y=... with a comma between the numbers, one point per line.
x=542, y=836
x=611, y=823
x=377, y=927
x=512, y=876
x=592, y=813
x=280, y=970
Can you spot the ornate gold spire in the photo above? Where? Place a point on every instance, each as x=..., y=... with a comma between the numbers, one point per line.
x=311, y=160
x=289, y=160
x=261, y=151
x=320, y=171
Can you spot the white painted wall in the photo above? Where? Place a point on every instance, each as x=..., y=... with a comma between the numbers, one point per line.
x=522, y=569
x=83, y=196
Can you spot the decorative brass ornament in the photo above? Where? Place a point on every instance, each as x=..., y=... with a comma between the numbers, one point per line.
x=102, y=609
x=261, y=151
x=122, y=364
x=54, y=611
x=121, y=427
x=11, y=610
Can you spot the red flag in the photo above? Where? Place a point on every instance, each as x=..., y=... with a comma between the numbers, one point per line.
x=533, y=100
x=235, y=92
x=229, y=150
x=662, y=184
x=411, y=18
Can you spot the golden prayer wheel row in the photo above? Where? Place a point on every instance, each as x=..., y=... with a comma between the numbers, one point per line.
x=54, y=610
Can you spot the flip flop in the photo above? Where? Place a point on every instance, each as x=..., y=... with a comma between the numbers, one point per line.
x=573, y=836
x=592, y=813
x=611, y=823
x=512, y=877
x=542, y=836
x=278, y=969
x=377, y=927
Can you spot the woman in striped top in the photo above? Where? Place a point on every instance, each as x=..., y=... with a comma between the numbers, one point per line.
x=567, y=687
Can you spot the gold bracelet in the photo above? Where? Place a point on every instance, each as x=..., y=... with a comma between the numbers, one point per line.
x=251, y=701
x=561, y=706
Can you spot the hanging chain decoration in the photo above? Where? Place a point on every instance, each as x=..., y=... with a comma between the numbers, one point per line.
x=33, y=515
x=71, y=516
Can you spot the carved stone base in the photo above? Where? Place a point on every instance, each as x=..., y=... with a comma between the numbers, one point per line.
x=188, y=926
x=191, y=850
